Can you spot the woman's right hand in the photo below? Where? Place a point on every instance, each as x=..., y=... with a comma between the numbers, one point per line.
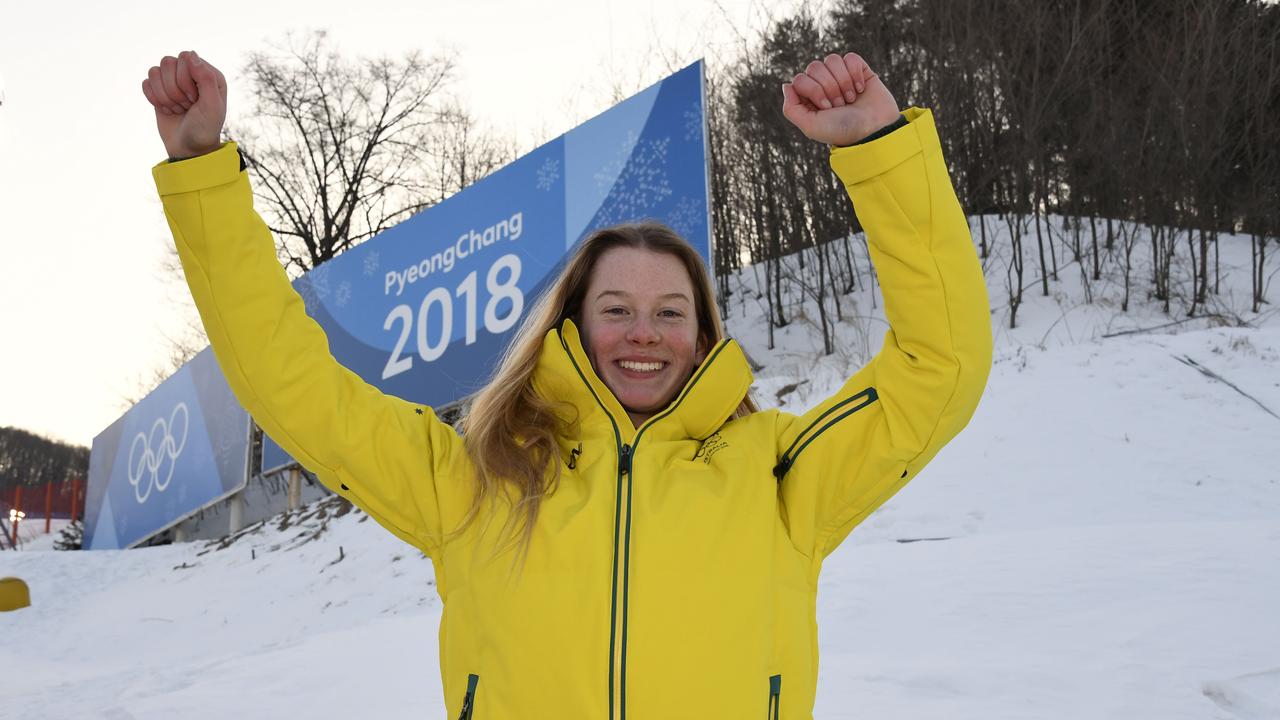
x=838, y=101
x=190, y=99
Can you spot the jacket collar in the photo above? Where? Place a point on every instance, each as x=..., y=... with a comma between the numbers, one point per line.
x=707, y=400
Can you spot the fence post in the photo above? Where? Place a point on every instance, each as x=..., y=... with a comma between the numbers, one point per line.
x=48, y=506
x=17, y=505
x=295, y=488
x=75, y=498
x=235, y=512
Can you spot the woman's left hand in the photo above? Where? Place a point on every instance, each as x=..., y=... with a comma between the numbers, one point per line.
x=838, y=101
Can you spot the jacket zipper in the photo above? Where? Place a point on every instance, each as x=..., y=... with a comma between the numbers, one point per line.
x=788, y=459
x=621, y=542
x=775, y=698
x=469, y=702
x=622, y=535
x=617, y=524
x=626, y=461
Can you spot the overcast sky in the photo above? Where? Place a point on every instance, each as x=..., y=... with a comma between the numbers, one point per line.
x=84, y=304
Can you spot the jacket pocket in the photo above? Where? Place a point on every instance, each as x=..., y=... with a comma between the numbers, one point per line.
x=469, y=702
x=775, y=697
x=840, y=411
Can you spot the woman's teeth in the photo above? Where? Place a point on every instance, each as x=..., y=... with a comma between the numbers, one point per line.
x=640, y=366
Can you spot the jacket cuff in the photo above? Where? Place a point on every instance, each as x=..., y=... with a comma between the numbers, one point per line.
x=901, y=121
x=857, y=163
x=219, y=167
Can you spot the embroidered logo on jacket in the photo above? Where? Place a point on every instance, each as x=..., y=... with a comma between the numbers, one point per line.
x=709, y=448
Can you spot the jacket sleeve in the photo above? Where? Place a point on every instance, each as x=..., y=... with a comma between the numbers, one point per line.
x=386, y=455
x=847, y=456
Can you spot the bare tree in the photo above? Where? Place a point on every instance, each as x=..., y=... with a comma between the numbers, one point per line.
x=339, y=147
x=342, y=149
x=460, y=152
x=181, y=343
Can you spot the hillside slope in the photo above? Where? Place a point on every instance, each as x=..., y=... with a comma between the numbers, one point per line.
x=1103, y=541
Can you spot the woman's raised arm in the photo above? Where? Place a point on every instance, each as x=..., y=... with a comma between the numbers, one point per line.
x=844, y=458
x=392, y=458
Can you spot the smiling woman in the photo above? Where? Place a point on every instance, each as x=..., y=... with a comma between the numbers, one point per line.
x=641, y=298
x=641, y=328
x=618, y=530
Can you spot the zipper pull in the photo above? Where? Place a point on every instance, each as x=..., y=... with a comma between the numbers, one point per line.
x=624, y=461
x=469, y=701
x=780, y=470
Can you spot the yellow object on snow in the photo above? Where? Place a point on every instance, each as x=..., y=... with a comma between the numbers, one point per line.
x=673, y=572
x=14, y=594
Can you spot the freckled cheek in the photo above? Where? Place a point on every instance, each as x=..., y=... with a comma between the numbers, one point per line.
x=601, y=343
x=686, y=350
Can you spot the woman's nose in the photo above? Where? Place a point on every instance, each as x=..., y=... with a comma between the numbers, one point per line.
x=643, y=332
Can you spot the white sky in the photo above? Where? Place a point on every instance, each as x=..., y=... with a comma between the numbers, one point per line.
x=84, y=304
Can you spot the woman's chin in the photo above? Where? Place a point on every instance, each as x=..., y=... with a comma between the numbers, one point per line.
x=641, y=403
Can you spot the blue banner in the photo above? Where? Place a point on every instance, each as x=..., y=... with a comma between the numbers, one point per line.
x=424, y=310
x=274, y=458
x=183, y=447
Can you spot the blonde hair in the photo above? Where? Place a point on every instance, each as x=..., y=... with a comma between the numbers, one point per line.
x=510, y=431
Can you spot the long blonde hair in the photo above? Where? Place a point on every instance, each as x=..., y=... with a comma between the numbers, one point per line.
x=510, y=431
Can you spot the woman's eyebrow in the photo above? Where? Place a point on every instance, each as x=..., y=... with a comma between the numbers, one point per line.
x=627, y=296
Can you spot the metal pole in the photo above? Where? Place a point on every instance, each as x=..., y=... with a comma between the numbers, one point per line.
x=48, y=505
x=295, y=488
x=235, y=507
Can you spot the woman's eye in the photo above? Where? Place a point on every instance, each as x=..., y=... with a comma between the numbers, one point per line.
x=671, y=314
x=615, y=311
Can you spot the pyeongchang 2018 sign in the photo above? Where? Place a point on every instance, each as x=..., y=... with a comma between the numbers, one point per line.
x=424, y=310
x=181, y=448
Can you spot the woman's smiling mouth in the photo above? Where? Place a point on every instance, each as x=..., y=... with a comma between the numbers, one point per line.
x=641, y=367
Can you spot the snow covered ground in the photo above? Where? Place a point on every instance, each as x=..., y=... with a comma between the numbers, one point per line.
x=1103, y=541
x=31, y=534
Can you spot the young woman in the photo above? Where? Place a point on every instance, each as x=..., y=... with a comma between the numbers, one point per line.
x=669, y=535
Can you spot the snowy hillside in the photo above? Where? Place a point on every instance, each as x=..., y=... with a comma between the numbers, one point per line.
x=1103, y=541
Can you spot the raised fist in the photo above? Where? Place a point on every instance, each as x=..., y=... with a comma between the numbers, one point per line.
x=190, y=99
x=838, y=101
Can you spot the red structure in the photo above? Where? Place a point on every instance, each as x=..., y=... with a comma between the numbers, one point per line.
x=61, y=500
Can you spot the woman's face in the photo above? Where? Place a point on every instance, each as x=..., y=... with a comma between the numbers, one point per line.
x=640, y=328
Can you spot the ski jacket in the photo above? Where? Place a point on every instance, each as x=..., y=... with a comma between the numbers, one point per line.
x=673, y=572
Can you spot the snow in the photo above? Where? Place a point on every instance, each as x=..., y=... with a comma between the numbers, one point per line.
x=1103, y=541
x=31, y=534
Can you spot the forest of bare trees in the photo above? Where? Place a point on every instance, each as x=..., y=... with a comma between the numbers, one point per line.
x=1074, y=126
x=29, y=459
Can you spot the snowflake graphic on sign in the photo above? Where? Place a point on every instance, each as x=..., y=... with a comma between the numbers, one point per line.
x=314, y=286
x=642, y=181
x=371, y=263
x=228, y=451
x=548, y=174
x=686, y=217
x=693, y=122
x=343, y=296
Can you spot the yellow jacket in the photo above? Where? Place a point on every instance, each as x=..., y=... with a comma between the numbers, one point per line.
x=673, y=573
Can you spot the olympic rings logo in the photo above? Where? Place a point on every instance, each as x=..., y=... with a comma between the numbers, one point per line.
x=153, y=456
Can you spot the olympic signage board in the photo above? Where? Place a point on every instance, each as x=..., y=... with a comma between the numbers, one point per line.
x=424, y=310
x=183, y=447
